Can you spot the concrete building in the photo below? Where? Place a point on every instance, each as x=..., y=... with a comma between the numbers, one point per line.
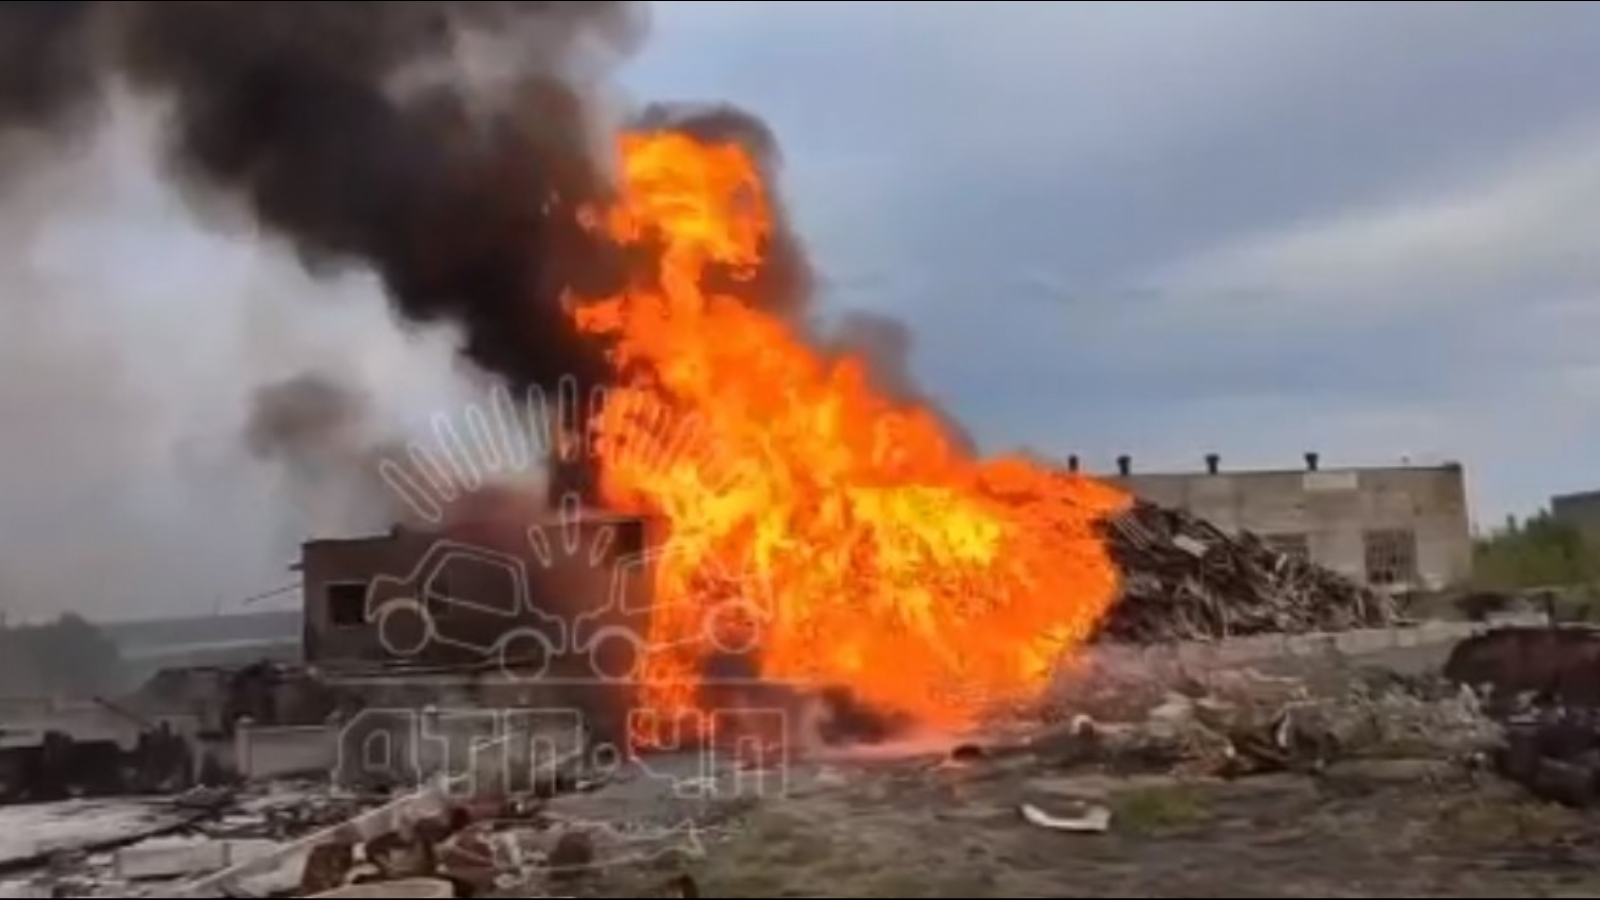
x=1394, y=528
x=1581, y=511
x=521, y=597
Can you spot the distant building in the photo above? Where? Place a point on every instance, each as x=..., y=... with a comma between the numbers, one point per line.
x=1394, y=528
x=1581, y=511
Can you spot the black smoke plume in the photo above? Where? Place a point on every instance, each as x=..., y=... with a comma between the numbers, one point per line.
x=324, y=438
x=332, y=124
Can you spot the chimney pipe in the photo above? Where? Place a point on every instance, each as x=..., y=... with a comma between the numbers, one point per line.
x=1124, y=465
x=1213, y=461
x=1311, y=462
x=1072, y=463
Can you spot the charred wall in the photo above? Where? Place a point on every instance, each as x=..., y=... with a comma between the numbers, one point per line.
x=426, y=600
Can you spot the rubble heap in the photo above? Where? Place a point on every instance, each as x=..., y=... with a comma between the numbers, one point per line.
x=1184, y=579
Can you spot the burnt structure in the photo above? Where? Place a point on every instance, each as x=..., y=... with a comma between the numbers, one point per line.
x=564, y=597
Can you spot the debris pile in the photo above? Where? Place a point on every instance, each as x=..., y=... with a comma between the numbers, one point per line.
x=1554, y=665
x=1244, y=723
x=316, y=840
x=1554, y=752
x=1543, y=684
x=1184, y=579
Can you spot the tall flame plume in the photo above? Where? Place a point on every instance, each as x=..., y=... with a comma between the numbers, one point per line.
x=869, y=549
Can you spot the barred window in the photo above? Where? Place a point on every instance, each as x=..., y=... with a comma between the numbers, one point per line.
x=1391, y=556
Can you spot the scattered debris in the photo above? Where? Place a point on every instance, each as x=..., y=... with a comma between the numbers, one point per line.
x=1088, y=819
x=1554, y=752
x=966, y=753
x=1184, y=579
x=411, y=887
x=176, y=857
x=1558, y=664
x=30, y=836
x=573, y=853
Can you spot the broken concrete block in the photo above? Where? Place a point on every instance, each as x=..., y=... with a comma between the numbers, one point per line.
x=1084, y=819
x=412, y=887
x=180, y=857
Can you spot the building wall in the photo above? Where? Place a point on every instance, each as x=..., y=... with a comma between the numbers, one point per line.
x=1334, y=514
x=420, y=598
x=262, y=753
x=1582, y=511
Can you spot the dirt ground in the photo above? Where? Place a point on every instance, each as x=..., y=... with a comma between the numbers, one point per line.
x=1414, y=823
x=1395, y=828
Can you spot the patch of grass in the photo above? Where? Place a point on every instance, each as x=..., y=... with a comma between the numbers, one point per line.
x=1499, y=822
x=1151, y=809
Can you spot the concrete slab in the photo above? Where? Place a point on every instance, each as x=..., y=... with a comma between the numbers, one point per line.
x=177, y=857
x=411, y=887
x=31, y=830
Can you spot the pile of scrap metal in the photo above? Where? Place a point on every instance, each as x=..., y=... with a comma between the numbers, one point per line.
x=59, y=750
x=1185, y=579
x=1543, y=684
x=175, y=731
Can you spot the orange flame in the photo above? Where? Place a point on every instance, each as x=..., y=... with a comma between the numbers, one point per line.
x=869, y=549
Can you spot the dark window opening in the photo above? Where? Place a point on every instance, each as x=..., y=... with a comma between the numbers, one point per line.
x=347, y=603
x=1391, y=556
x=1296, y=545
x=630, y=539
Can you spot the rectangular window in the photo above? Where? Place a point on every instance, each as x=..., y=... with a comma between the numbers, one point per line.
x=1391, y=556
x=630, y=538
x=347, y=603
x=1297, y=545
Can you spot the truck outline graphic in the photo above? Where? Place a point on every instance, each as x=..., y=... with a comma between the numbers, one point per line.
x=526, y=648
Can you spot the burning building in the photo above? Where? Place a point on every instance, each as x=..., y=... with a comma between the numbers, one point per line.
x=423, y=600
x=861, y=539
x=652, y=260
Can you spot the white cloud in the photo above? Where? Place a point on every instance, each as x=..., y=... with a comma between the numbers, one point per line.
x=1528, y=218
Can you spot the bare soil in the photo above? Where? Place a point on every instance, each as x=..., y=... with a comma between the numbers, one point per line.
x=1416, y=820
x=1389, y=828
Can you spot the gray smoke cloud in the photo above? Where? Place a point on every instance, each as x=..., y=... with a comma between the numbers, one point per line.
x=427, y=158
x=422, y=143
x=327, y=442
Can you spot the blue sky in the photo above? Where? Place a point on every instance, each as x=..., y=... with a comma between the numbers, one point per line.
x=1157, y=229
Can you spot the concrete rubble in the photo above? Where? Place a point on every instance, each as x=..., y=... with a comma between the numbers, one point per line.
x=1116, y=724
x=1242, y=722
x=309, y=839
